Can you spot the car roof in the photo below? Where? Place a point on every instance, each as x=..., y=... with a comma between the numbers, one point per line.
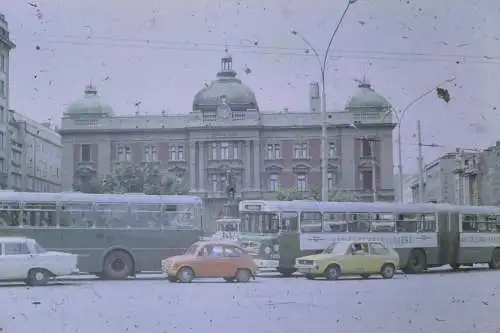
x=217, y=242
x=12, y=239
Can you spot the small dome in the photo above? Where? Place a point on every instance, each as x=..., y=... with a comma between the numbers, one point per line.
x=367, y=98
x=236, y=94
x=91, y=104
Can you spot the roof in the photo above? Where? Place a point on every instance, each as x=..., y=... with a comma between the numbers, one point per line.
x=366, y=97
x=216, y=242
x=226, y=88
x=91, y=104
x=12, y=239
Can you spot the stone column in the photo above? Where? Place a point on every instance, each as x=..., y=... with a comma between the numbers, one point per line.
x=201, y=166
x=247, y=167
x=192, y=165
x=256, y=163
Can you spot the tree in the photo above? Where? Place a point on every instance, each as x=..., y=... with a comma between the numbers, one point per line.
x=127, y=177
x=315, y=194
x=91, y=186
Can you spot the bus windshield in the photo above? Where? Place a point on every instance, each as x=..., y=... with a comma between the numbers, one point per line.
x=263, y=223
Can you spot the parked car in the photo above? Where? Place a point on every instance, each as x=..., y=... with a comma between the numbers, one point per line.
x=350, y=258
x=210, y=259
x=23, y=259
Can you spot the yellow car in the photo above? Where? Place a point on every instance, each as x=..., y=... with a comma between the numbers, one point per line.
x=350, y=258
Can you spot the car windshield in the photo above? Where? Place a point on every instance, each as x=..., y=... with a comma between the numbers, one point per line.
x=192, y=249
x=35, y=247
x=337, y=248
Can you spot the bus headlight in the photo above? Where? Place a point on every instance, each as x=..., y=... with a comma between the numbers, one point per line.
x=267, y=250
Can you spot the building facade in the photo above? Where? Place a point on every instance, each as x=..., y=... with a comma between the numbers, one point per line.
x=36, y=155
x=226, y=130
x=439, y=181
x=6, y=45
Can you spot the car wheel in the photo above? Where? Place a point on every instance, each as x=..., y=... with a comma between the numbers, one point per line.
x=310, y=276
x=172, y=278
x=243, y=275
x=332, y=272
x=387, y=271
x=38, y=277
x=185, y=275
x=229, y=279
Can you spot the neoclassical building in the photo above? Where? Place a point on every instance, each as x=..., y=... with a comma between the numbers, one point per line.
x=225, y=129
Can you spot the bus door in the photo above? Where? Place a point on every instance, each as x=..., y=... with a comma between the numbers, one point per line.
x=448, y=237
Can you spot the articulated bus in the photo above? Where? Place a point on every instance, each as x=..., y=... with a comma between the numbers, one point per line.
x=424, y=235
x=115, y=235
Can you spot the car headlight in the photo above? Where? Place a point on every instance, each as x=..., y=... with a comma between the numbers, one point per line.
x=267, y=250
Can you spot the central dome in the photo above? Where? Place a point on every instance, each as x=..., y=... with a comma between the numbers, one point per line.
x=237, y=95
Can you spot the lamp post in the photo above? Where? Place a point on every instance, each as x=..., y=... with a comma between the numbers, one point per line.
x=322, y=61
x=399, y=118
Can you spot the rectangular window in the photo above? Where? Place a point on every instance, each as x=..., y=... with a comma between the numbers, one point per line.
x=366, y=180
x=213, y=151
x=273, y=151
x=300, y=150
x=177, y=153
x=128, y=153
x=366, y=148
x=332, y=150
x=301, y=183
x=236, y=153
x=154, y=153
x=331, y=181
x=3, y=63
x=2, y=115
x=224, y=151
x=3, y=93
x=274, y=184
x=214, y=183
x=85, y=153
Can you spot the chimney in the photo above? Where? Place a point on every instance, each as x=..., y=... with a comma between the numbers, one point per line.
x=314, y=98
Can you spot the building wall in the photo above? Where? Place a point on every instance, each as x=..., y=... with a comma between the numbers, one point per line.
x=5, y=46
x=195, y=150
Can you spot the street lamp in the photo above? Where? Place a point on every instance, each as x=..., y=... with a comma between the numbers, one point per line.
x=322, y=61
x=399, y=117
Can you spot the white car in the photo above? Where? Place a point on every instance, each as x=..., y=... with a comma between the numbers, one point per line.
x=23, y=259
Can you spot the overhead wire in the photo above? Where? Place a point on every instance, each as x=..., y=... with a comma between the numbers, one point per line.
x=268, y=50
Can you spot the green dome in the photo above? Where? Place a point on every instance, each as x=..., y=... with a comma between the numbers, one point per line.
x=367, y=98
x=226, y=86
x=91, y=104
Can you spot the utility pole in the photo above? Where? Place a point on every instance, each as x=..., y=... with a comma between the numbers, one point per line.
x=374, y=168
x=421, y=192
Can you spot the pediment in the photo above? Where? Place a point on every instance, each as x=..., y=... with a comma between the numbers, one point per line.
x=301, y=167
x=274, y=168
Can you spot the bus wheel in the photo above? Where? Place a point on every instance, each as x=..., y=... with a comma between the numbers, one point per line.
x=118, y=265
x=417, y=262
x=286, y=272
x=495, y=259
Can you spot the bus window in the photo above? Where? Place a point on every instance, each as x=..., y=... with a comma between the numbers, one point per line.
x=359, y=222
x=469, y=223
x=427, y=223
x=146, y=216
x=10, y=214
x=407, y=222
x=289, y=221
x=383, y=222
x=311, y=221
x=112, y=215
x=76, y=215
x=334, y=222
x=487, y=223
x=40, y=214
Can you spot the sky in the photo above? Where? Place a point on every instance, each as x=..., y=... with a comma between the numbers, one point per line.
x=162, y=52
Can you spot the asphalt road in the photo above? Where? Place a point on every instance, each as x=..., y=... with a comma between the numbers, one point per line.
x=433, y=302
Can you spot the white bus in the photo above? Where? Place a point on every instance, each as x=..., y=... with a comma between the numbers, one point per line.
x=425, y=235
x=115, y=235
